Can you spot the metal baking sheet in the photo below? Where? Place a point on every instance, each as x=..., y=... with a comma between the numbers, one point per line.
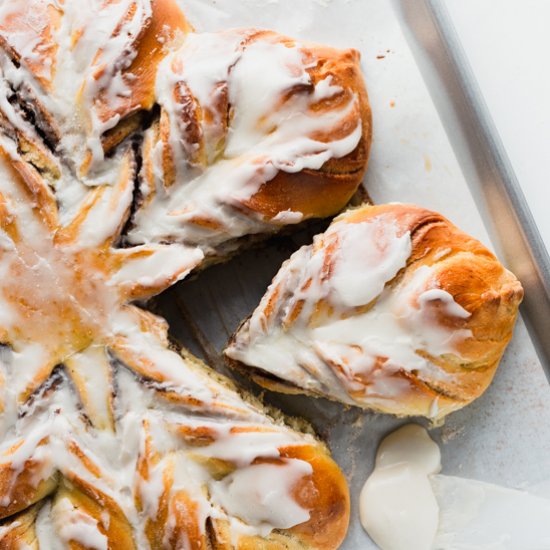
x=502, y=438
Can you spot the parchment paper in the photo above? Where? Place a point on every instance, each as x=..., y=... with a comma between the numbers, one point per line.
x=502, y=438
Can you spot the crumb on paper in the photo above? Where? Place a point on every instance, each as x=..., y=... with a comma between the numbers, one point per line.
x=392, y=103
x=427, y=163
x=449, y=433
x=359, y=421
x=380, y=57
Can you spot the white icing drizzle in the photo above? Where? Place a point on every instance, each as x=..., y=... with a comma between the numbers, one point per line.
x=50, y=273
x=154, y=264
x=74, y=526
x=260, y=494
x=406, y=505
x=352, y=354
x=368, y=256
x=242, y=447
x=92, y=369
x=287, y=217
x=44, y=528
x=84, y=57
x=218, y=169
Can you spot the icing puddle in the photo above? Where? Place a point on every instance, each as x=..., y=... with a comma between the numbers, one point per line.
x=406, y=504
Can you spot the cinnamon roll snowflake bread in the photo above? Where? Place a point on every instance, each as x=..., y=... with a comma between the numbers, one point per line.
x=131, y=151
x=392, y=309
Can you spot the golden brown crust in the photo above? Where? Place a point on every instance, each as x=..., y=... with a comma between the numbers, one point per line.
x=324, y=192
x=324, y=494
x=189, y=141
x=18, y=532
x=478, y=282
x=29, y=35
x=165, y=29
x=39, y=20
x=86, y=500
x=18, y=480
x=459, y=265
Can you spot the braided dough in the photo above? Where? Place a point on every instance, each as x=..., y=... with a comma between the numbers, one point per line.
x=289, y=146
x=392, y=309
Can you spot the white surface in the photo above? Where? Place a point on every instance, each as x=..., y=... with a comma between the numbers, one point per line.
x=405, y=505
x=504, y=437
x=507, y=44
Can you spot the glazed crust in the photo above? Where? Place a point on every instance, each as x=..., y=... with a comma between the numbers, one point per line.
x=461, y=266
x=37, y=23
x=324, y=493
x=203, y=131
x=165, y=29
x=18, y=532
x=324, y=192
